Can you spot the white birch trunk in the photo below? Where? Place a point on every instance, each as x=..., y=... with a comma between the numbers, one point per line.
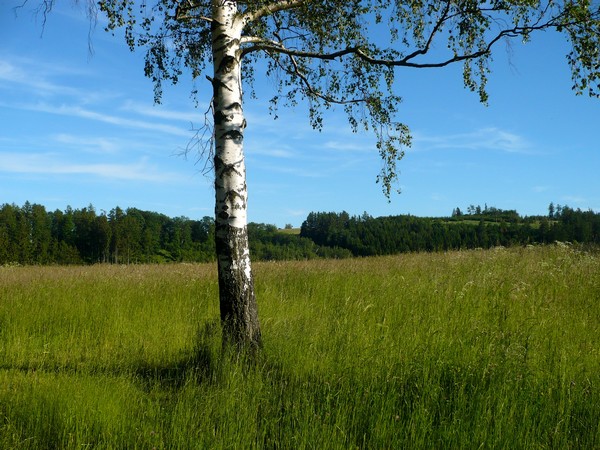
x=239, y=312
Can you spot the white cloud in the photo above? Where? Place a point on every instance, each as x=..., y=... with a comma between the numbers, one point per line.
x=271, y=152
x=295, y=170
x=89, y=144
x=12, y=75
x=162, y=113
x=51, y=164
x=349, y=145
x=490, y=138
x=296, y=212
x=8, y=72
x=573, y=199
x=77, y=111
x=540, y=189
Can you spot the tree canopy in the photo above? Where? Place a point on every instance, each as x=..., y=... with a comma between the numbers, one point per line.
x=347, y=52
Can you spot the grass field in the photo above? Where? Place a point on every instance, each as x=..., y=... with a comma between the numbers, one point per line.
x=473, y=349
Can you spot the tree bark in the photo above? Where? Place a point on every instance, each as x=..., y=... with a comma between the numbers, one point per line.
x=239, y=310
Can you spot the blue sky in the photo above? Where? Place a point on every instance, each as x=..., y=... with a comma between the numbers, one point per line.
x=77, y=129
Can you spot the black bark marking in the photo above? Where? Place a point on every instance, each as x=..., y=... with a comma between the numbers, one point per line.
x=234, y=105
x=225, y=115
x=232, y=195
x=227, y=64
x=216, y=84
x=234, y=135
x=220, y=117
x=222, y=168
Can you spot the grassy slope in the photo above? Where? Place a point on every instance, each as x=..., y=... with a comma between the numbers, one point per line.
x=293, y=231
x=497, y=349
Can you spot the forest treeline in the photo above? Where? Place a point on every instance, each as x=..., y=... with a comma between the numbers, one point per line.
x=478, y=228
x=30, y=234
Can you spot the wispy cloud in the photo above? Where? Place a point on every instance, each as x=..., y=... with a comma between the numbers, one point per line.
x=37, y=79
x=162, y=113
x=89, y=144
x=12, y=75
x=78, y=111
x=271, y=152
x=349, y=145
x=490, y=138
x=296, y=212
x=52, y=164
x=540, y=189
x=573, y=199
x=295, y=170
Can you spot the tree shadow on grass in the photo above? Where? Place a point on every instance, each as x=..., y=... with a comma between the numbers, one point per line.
x=208, y=361
x=198, y=365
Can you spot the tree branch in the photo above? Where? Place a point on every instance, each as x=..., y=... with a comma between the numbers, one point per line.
x=45, y=8
x=311, y=90
x=436, y=28
x=273, y=46
x=269, y=9
x=259, y=41
x=184, y=7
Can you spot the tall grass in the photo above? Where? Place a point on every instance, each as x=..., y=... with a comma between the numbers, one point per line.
x=491, y=349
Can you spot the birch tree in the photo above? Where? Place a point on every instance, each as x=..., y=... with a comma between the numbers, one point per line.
x=328, y=53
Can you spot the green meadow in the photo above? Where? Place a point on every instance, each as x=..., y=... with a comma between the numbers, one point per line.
x=471, y=349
